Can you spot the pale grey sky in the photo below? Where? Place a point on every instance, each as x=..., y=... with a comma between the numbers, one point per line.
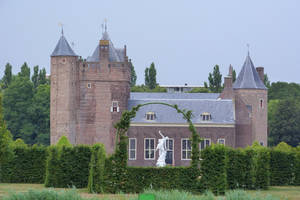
x=185, y=39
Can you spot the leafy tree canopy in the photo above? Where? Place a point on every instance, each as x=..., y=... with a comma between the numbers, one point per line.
x=215, y=80
x=133, y=76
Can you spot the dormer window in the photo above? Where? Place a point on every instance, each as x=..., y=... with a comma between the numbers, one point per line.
x=205, y=116
x=150, y=116
x=115, y=106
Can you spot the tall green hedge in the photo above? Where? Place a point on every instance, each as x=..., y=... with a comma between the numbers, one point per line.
x=68, y=166
x=282, y=167
x=213, y=169
x=97, y=169
x=262, y=168
x=26, y=166
x=239, y=168
x=297, y=168
x=167, y=178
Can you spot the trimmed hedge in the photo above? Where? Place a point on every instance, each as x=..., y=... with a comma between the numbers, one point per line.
x=213, y=169
x=262, y=168
x=239, y=168
x=28, y=165
x=297, y=168
x=68, y=166
x=166, y=178
x=282, y=167
x=97, y=169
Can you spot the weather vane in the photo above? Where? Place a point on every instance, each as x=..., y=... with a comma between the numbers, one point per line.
x=62, y=27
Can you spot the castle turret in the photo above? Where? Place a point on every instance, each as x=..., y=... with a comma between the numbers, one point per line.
x=104, y=92
x=63, y=81
x=251, y=105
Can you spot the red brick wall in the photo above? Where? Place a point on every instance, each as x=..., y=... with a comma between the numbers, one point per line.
x=177, y=133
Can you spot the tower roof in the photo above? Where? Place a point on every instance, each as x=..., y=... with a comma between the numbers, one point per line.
x=248, y=77
x=114, y=55
x=63, y=48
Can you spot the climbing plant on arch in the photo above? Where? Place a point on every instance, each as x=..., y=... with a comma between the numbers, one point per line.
x=123, y=125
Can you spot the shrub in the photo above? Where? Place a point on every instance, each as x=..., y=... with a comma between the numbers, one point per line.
x=68, y=166
x=97, y=167
x=213, y=169
x=297, y=168
x=44, y=194
x=166, y=178
x=282, y=167
x=63, y=141
x=27, y=165
x=52, y=168
x=238, y=168
x=262, y=168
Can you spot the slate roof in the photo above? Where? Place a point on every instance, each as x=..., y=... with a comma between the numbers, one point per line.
x=115, y=55
x=222, y=111
x=162, y=95
x=248, y=78
x=63, y=48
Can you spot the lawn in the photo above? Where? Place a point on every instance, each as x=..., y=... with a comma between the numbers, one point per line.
x=284, y=192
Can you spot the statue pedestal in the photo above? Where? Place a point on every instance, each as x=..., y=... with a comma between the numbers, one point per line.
x=160, y=163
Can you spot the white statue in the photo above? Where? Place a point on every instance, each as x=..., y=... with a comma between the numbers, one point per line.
x=162, y=147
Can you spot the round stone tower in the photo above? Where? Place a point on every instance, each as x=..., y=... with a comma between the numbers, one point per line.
x=63, y=92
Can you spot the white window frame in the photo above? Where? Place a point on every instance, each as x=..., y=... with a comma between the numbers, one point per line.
x=149, y=148
x=222, y=139
x=150, y=114
x=89, y=85
x=129, y=150
x=171, y=150
x=185, y=149
x=112, y=106
x=204, y=140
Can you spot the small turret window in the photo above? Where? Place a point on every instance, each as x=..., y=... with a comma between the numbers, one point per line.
x=89, y=85
x=261, y=103
x=205, y=116
x=150, y=116
x=115, y=107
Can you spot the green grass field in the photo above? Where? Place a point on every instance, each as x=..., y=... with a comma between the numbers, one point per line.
x=284, y=192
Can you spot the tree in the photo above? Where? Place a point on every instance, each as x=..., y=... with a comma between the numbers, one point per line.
x=16, y=104
x=283, y=90
x=152, y=76
x=7, y=76
x=266, y=81
x=147, y=76
x=233, y=76
x=63, y=141
x=25, y=71
x=5, y=139
x=284, y=125
x=42, y=77
x=35, y=76
x=133, y=76
x=199, y=90
x=40, y=114
x=215, y=80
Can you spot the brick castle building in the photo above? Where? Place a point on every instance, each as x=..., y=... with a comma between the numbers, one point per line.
x=88, y=97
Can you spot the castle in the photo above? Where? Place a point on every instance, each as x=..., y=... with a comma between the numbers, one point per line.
x=88, y=97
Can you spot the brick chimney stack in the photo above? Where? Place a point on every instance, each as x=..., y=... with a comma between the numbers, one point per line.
x=260, y=71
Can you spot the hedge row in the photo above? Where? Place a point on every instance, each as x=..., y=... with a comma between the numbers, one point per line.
x=68, y=166
x=28, y=165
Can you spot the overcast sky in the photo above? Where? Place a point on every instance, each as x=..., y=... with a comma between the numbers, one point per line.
x=184, y=39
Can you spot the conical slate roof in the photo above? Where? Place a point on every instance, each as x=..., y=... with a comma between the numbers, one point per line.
x=248, y=78
x=114, y=55
x=63, y=48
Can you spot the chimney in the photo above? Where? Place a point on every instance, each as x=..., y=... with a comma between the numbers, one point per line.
x=227, y=82
x=260, y=71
